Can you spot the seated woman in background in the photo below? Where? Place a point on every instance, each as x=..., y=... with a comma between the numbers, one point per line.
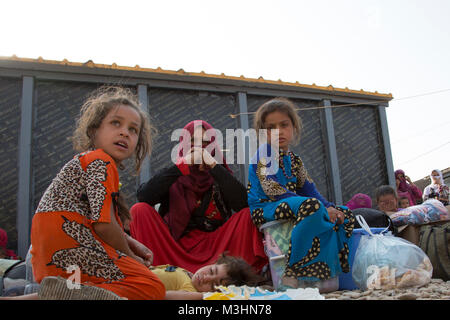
x=195, y=222
x=405, y=187
x=437, y=189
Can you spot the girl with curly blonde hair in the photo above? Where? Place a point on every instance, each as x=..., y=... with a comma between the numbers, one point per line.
x=77, y=232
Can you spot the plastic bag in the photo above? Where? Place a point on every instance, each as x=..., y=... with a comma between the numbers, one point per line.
x=388, y=262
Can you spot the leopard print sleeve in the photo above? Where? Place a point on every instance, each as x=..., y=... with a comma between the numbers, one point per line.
x=300, y=172
x=101, y=182
x=270, y=187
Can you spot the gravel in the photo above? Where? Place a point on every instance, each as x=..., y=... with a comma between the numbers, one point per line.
x=437, y=289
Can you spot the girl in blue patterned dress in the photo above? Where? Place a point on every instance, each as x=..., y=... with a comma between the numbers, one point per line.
x=280, y=188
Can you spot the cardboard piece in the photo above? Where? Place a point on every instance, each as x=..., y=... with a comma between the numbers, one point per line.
x=412, y=232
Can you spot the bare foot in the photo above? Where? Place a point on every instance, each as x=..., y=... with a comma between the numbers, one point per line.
x=31, y=296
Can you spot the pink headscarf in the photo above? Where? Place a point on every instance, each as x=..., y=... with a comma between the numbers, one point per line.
x=403, y=186
x=4, y=242
x=3, y=238
x=185, y=191
x=359, y=200
x=405, y=189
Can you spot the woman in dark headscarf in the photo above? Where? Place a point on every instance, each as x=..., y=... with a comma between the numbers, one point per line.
x=203, y=212
x=406, y=188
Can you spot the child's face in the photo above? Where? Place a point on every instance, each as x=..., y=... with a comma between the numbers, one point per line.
x=282, y=122
x=387, y=202
x=404, y=203
x=119, y=133
x=209, y=276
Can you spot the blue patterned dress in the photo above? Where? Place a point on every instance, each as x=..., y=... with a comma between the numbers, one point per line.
x=280, y=188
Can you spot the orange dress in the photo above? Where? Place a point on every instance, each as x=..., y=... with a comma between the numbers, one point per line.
x=64, y=242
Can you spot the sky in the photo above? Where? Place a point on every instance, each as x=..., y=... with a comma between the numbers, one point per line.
x=399, y=46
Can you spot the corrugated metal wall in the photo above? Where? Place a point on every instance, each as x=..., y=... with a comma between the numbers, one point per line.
x=10, y=91
x=57, y=103
x=173, y=109
x=56, y=106
x=359, y=145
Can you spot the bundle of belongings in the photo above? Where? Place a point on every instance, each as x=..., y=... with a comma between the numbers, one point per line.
x=429, y=211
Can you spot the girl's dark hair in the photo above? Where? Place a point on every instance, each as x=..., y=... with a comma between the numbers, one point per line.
x=385, y=190
x=279, y=104
x=239, y=271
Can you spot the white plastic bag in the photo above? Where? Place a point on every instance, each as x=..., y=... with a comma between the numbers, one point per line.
x=388, y=262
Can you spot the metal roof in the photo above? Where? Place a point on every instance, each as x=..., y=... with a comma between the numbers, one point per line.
x=198, y=76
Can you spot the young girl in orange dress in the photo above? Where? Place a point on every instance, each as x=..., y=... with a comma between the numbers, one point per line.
x=77, y=230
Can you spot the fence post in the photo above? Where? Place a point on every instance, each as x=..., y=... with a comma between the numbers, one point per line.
x=332, y=153
x=243, y=118
x=144, y=174
x=24, y=206
x=387, y=144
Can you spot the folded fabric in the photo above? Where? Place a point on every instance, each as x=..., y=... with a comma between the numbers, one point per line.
x=6, y=264
x=256, y=293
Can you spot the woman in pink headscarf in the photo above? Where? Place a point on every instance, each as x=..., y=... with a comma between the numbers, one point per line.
x=203, y=211
x=406, y=188
x=5, y=253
